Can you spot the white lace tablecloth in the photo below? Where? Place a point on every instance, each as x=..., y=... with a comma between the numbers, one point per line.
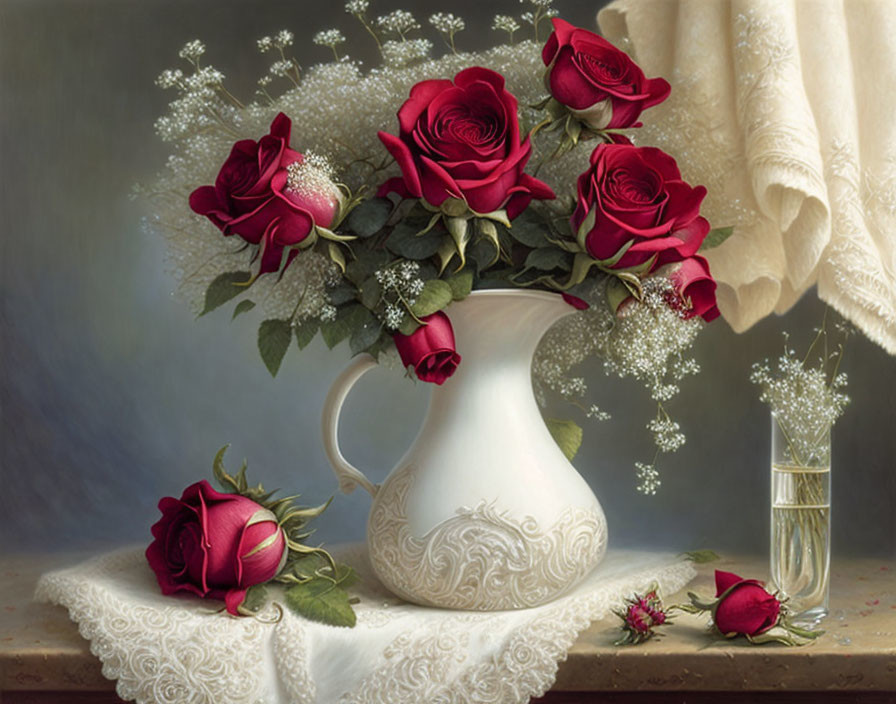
x=177, y=649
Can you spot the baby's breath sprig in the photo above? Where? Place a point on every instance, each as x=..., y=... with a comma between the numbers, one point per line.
x=286, y=66
x=358, y=9
x=398, y=23
x=331, y=38
x=506, y=23
x=447, y=25
x=541, y=11
x=202, y=103
x=400, y=284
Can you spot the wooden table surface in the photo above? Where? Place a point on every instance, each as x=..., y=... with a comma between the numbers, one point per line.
x=44, y=659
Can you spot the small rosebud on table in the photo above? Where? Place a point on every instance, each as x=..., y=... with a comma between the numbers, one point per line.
x=640, y=616
x=744, y=607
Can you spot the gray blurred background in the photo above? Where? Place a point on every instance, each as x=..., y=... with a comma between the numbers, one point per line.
x=113, y=395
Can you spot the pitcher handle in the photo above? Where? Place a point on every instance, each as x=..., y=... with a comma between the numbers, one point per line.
x=348, y=475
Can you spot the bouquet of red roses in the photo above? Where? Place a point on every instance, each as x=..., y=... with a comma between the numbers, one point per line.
x=513, y=167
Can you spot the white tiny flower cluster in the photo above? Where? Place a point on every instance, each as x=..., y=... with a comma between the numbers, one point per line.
x=542, y=4
x=647, y=342
x=170, y=78
x=281, y=40
x=281, y=69
x=327, y=313
x=805, y=403
x=357, y=7
x=505, y=23
x=446, y=22
x=402, y=53
x=398, y=22
x=198, y=104
x=595, y=413
x=666, y=435
x=329, y=37
x=311, y=177
x=401, y=285
x=648, y=478
x=192, y=50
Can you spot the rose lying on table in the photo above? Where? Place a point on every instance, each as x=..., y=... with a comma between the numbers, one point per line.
x=228, y=545
x=741, y=607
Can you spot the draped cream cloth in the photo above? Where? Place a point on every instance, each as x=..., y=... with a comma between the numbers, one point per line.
x=786, y=111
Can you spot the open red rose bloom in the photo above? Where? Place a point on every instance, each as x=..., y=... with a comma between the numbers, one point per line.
x=599, y=83
x=254, y=198
x=634, y=200
x=461, y=140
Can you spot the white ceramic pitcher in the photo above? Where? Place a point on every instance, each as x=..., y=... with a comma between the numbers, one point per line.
x=484, y=511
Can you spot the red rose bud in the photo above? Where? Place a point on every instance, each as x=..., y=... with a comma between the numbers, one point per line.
x=599, y=84
x=430, y=349
x=641, y=615
x=695, y=288
x=215, y=545
x=744, y=605
x=461, y=140
x=636, y=195
x=268, y=195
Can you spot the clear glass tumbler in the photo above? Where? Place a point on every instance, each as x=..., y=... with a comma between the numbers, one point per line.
x=801, y=521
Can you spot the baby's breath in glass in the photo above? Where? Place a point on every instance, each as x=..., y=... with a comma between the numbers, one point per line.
x=806, y=395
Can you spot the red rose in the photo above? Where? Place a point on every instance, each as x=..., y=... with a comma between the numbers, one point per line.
x=260, y=198
x=695, y=289
x=430, y=349
x=635, y=194
x=744, y=606
x=462, y=140
x=215, y=545
x=597, y=82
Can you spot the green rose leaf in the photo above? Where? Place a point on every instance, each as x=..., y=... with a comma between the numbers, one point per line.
x=715, y=237
x=527, y=229
x=483, y=252
x=366, y=262
x=321, y=600
x=347, y=319
x=305, y=332
x=701, y=556
x=405, y=241
x=369, y=217
x=408, y=326
x=435, y=296
x=256, y=597
x=566, y=434
x=370, y=292
x=547, y=258
x=366, y=332
x=242, y=307
x=273, y=341
x=461, y=284
x=223, y=288
x=343, y=292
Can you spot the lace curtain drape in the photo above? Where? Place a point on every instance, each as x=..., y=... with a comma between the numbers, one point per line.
x=784, y=110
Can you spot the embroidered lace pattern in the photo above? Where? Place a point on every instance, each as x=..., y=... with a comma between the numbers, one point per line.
x=481, y=558
x=164, y=650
